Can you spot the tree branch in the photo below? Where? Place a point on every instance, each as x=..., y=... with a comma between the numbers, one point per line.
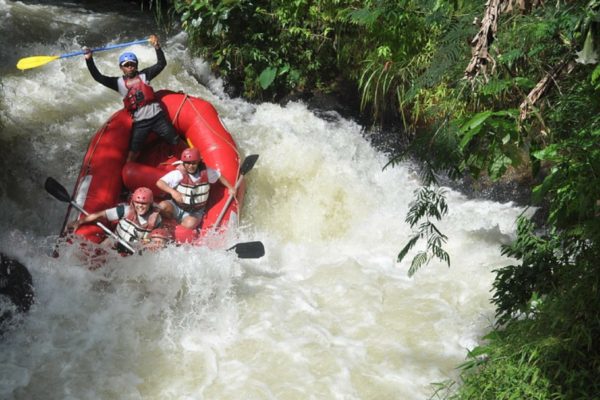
x=487, y=33
x=483, y=40
x=542, y=86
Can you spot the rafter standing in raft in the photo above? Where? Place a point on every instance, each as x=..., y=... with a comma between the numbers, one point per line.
x=139, y=98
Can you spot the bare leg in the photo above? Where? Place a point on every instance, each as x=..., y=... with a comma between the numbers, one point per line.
x=190, y=222
x=166, y=209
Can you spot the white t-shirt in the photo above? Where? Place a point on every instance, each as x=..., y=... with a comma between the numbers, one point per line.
x=112, y=214
x=173, y=178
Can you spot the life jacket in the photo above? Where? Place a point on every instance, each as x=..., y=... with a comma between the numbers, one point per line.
x=139, y=93
x=195, y=194
x=130, y=229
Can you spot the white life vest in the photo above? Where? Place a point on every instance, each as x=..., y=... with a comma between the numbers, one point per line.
x=195, y=194
x=131, y=230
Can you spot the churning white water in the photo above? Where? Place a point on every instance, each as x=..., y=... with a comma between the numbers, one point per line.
x=327, y=313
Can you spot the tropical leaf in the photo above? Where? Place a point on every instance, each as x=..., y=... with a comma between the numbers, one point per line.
x=267, y=76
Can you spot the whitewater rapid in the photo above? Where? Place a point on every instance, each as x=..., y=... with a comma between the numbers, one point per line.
x=327, y=313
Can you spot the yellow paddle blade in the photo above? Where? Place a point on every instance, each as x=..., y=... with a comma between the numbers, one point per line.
x=34, y=62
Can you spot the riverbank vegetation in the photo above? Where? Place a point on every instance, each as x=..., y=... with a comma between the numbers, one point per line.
x=488, y=89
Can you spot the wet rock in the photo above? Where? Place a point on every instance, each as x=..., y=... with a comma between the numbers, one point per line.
x=16, y=285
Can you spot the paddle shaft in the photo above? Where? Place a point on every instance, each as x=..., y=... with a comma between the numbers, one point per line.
x=109, y=47
x=247, y=165
x=104, y=228
x=38, y=61
x=228, y=202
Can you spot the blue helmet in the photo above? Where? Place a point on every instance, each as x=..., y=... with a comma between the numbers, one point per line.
x=127, y=57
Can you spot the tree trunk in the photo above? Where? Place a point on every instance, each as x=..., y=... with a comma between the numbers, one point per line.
x=483, y=40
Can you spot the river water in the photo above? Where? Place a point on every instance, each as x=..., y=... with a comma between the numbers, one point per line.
x=327, y=313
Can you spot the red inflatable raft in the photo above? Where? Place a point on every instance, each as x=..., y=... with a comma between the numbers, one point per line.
x=106, y=180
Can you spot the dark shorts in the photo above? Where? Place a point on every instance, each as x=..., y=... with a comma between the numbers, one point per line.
x=158, y=124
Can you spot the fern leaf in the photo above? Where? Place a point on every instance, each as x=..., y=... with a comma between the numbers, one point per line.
x=407, y=248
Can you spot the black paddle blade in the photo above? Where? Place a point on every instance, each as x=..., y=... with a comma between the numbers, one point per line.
x=57, y=190
x=248, y=163
x=249, y=249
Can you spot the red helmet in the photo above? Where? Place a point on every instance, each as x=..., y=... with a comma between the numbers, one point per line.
x=190, y=155
x=143, y=195
x=161, y=233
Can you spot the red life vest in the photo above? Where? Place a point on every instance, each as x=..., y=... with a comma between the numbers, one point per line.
x=139, y=93
x=130, y=229
x=195, y=194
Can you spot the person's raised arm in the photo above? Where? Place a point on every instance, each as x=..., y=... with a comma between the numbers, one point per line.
x=161, y=62
x=108, y=81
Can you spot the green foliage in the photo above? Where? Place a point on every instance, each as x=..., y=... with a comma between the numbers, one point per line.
x=490, y=141
x=416, y=50
x=430, y=203
x=595, y=78
x=400, y=33
x=575, y=164
x=572, y=160
x=495, y=372
x=547, y=303
x=534, y=277
x=549, y=350
x=269, y=47
x=266, y=77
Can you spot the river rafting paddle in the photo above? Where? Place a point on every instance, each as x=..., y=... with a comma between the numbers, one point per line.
x=247, y=165
x=59, y=192
x=249, y=249
x=38, y=61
